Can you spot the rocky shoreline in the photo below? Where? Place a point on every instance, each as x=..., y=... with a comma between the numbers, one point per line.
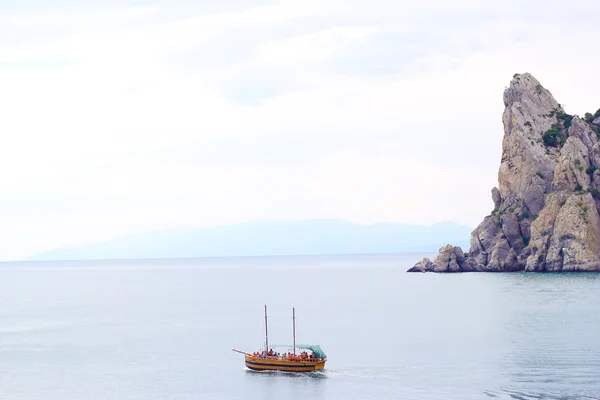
x=545, y=215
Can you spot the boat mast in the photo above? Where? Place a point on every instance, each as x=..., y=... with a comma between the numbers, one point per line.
x=266, y=332
x=294, y=320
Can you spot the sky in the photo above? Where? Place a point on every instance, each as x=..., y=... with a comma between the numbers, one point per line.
x=138, y=115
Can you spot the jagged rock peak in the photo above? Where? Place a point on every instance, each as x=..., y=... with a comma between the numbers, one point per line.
x=530, y=111
x=545, y=215
x=528, y=91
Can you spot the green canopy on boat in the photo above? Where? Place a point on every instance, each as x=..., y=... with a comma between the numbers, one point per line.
x=315, y=348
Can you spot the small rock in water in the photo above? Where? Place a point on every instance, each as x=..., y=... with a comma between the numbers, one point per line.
x=450, y=259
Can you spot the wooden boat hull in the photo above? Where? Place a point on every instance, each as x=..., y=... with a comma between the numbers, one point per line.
x=266, y=364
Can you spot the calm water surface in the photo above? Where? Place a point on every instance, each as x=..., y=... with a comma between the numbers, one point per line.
x=164, y=329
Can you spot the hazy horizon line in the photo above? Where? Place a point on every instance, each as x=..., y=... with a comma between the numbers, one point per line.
x=315, y=255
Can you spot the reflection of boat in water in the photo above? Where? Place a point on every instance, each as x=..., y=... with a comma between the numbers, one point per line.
x=269, y=360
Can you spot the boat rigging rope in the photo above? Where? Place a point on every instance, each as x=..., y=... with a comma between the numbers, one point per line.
x=238, y=342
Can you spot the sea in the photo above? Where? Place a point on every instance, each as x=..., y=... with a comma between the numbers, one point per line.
x=165, y=329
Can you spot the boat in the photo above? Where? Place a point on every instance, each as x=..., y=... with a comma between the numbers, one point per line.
x=262, y=361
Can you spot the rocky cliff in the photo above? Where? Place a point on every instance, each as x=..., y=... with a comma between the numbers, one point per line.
x=545, y=215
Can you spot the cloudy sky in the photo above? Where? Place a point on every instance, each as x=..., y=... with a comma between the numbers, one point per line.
x=137, y=115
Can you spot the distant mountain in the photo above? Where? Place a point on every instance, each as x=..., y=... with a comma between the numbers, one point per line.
x=279, y=238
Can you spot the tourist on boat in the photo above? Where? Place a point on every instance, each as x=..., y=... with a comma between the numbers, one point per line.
x=273, y=355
